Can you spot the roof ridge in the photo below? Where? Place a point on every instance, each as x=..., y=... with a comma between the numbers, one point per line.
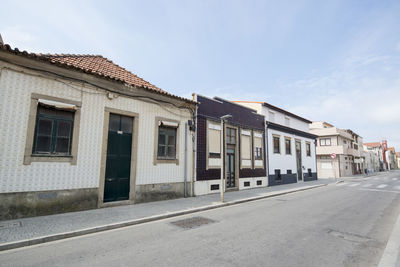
x=93, y=56
x=92, y=65
x=69, y=55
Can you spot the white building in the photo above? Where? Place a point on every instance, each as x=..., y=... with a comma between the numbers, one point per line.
x=290, y=146
x=373, y=157
x=80, y=132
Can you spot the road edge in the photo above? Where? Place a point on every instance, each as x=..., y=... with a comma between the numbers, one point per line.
x=391, y=252
x=102, y=228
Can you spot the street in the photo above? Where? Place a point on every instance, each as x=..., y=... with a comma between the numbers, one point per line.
x=344, y=224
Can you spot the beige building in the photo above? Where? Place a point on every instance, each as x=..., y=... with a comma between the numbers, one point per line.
x=339, y=152
x=398, y=159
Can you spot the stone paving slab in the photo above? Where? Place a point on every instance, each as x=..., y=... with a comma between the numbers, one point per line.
x=23, y=232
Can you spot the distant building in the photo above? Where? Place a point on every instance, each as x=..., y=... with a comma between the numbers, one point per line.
x=398, y=159
x=373, y=157
x=337, y=150
x=392, y=160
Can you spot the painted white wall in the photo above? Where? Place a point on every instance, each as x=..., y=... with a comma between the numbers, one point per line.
x=284, y=162
x=15, y=96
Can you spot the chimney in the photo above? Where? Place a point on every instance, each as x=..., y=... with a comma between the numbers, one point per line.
x=1, y=40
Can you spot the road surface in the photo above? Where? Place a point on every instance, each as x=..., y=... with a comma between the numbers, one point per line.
x=347, y=224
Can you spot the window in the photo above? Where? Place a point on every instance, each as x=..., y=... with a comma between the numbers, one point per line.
x=278, y=176
x=289, y=172
x=166, y=143
x=245, y=145
x=214, y=140
x=271, y=116
x=325, y=142
x=258, y=144
x=288, y=146
x=277, y=147
x=287, y=121
x=230, y=136
x=308, y=149
x=53, y=131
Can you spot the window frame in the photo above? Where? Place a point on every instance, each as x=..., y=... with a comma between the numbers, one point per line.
x=54, y=133
x=241, y=144
x=290, y=145
x=29, y=156
x=258, y=152
x=160, y=160
x=279, y=144
x=325, y=139
x=209, y=155
x=308, y=149
x=167, y=132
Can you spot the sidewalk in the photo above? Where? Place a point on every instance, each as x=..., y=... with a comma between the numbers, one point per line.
x=36, y=230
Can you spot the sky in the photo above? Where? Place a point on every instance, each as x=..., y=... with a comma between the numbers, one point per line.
x=334, y=61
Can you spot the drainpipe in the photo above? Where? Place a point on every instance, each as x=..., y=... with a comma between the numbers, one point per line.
x=194, y=143
x=185, y=169
x=315, y=156
x=267, y=151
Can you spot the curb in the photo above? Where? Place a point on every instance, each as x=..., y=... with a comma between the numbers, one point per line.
x=65, y=235
x=392, y=249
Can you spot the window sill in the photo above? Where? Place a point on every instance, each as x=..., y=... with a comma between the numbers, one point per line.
x=49, y=158
x=166, y=161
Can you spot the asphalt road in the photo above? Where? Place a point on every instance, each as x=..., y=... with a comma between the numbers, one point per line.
x=337, y=225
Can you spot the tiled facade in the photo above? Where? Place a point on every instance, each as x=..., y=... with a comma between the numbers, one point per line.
x=18, y=84
x=243, y=120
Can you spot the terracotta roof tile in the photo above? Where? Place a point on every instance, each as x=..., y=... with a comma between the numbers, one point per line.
x=373, y=144
x=96, y=65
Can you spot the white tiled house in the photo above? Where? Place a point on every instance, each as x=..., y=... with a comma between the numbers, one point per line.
x=80, y=132
x=290, y=148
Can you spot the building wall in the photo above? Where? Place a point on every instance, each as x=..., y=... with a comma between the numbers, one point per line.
x=327, y=167
x=285, y=162
x=208, y=179
x=15, y=96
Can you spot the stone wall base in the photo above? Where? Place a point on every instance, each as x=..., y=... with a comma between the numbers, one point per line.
x=156, y=192
x=29, y=204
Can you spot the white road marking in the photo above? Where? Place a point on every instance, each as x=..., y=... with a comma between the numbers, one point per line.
x=340, y=184
x=397, y=187
x=394, y=179
x=376, y=178
x=355, y=184
x=367, y=185
x=379, y=190
x=382, y=186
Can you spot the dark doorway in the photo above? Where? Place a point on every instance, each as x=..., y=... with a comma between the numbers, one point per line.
x=230, y=168
x=118, y=163
x=298, y=161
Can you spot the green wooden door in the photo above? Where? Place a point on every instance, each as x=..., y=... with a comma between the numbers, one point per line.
x=118, y=164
